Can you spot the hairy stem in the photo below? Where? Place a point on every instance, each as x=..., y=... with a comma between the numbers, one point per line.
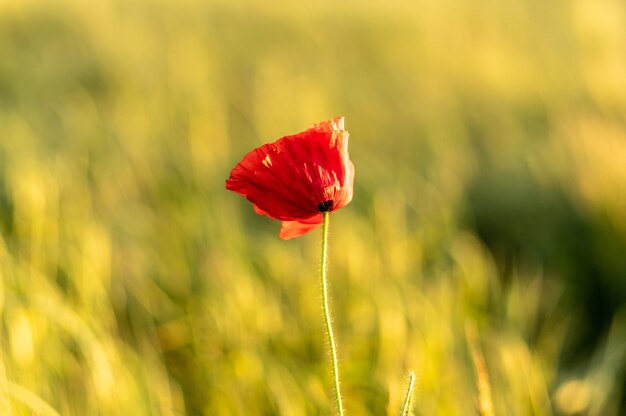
x=408, y=399
x=327, y=318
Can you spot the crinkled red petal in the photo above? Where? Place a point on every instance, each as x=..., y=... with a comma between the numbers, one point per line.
x=288, y=179
x=292, y=229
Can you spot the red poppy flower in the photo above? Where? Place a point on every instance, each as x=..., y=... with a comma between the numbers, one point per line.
x=298, y=177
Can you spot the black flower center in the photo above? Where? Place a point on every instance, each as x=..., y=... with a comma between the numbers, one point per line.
x=326, y=206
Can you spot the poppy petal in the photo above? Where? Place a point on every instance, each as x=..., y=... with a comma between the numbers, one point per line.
x=292, y=229
x=336, y=124
x=296, y=177
x=256, y=179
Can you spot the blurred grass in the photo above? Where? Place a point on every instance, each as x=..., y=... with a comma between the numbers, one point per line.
x=490, y=146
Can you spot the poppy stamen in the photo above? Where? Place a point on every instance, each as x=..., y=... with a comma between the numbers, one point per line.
x=326, y=206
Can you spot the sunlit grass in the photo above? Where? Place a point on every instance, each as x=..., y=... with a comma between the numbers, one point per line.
x=132, y=283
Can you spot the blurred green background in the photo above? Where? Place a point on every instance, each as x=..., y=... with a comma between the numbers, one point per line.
x=489, y=140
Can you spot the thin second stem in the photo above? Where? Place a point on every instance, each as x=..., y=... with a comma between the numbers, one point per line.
x=408, y=399
x=327, y=318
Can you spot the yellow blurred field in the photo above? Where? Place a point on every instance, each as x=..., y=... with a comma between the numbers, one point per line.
x=489, y=140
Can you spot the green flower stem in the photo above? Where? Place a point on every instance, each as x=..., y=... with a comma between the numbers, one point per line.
x=408, y=399
x=327, y=319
